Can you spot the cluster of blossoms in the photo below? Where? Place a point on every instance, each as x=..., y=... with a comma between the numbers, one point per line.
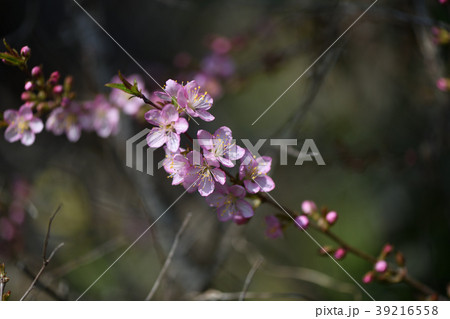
x=203, y=168
x=12, y=215
x=49, y=104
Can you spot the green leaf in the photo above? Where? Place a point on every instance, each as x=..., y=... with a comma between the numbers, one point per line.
x=119, y=86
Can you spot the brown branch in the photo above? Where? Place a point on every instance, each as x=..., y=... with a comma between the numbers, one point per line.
x=45, y=260
x=169, y=258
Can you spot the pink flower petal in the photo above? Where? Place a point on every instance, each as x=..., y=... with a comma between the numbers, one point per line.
x=181, y=125
x=265, y=183
x=219, y=176
x=206, y=186
x=205, y=116
x=28, y=138
x=36, y=125
x=169, y=114
x=156, y=138
x=10, y=115
x=237, y=191
x=173, y=141
x=153, y=117
x=223, y=213
x=12, y=134
x=216, y=199
x=251, y=187
x=205, y=139
x=26, y=112
x=244, y=208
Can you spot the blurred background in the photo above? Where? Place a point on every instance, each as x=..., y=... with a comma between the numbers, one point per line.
x=370, y=103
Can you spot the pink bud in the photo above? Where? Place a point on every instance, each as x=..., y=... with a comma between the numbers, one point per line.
x=28, y=86
x=25, y=51
x=58, y=89
x=36, y=71
x=368, y=278
x=54, y=77
x=340, y=253
x=240, y=220
x=442, y=1
x=331, y=217
x=302, y=222
x=387, y=249
x=441, y=84
x=308, y=207
x=381, y=266
x=25, y=96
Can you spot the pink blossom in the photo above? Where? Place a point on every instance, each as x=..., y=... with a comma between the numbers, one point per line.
x=253, y=171
x=101, y=116
x=28, y=86
x=176, y=165
x=66, y=119
x=381, y=266
x=331, y=217
x=209, y=83
x=220, y=147
x=22, y=125
x=302, y=222
x=169, y=126
x=230, y=202
x=194, y=103
x=308, y=207
x=273, y=229
x=202, y=174
x=221, y=45
x=129, y=104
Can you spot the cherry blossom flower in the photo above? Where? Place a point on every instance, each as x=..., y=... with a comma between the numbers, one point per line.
x=220, y=147
x=273, y=229
x=253, y=171
x=194, y=103
x=202, y=174
x=169, y=125
x=176, y=165
x=230, y=202
x=22, y=125
x=331, y=217
x=101, y=116
x=340, y=253
x=66, y=119
x=302, y=222
x=129, y=104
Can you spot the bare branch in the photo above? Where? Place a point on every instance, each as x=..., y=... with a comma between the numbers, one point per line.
x=211, y=295
x=45, y=260
x=249, y=277
x=169, y=258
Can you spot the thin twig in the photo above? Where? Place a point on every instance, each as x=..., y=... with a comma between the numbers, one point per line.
x=169, y=258
x=212, y=295
x=45, y=260
x=249, y=277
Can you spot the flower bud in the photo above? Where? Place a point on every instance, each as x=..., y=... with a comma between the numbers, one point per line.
x=26, y=96
x=308, y=207
x=331, y=217
x=325, y=250
x=400, y=259
x=54, y=78
x=58, y=89
x=25, y=51
x=381, y=266
x=340, y=253
x=240, y=220
x=28, y=86
x=368, y=277
x=302, y=222
x=36, y=71
x=387, y=249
